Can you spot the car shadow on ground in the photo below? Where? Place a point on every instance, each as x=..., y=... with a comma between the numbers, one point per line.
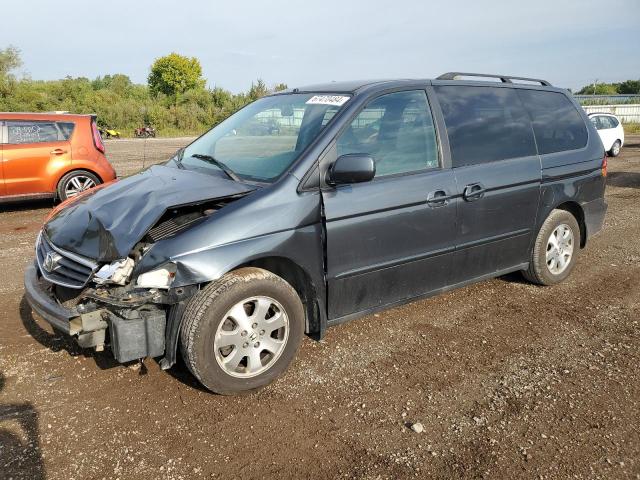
x=624, y=179
x=514, y=277
x=26, y=205
x=57, y=341
x=20, y=455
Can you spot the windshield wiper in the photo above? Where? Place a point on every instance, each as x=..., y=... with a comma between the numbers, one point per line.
x=210, y=159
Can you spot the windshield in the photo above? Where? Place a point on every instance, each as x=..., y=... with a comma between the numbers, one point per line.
x=263, y=139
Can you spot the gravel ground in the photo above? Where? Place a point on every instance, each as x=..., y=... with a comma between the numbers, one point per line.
x=507, y=380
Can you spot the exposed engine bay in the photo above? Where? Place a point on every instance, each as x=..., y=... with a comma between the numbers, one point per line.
x=115, y=307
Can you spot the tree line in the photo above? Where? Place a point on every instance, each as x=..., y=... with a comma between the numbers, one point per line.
x=628, y=87
x=175, y=99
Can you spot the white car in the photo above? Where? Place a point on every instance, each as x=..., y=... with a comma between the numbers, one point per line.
x=610, y=130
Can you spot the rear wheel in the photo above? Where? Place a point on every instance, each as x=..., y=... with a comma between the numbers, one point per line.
x=555, y=250
x=615, y=149
x=242, y=331
x=76, y=182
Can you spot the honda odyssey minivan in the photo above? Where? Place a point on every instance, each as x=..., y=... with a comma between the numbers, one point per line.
x=367, y=195
x=50, y=155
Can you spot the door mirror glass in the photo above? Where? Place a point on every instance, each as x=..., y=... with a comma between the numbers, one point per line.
x=352, y=168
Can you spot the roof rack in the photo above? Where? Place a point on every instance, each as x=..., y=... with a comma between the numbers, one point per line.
x=503, y=78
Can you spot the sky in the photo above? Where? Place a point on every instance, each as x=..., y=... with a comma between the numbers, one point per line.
x=568, y=42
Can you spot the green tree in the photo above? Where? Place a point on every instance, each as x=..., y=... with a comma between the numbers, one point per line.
x=599, y=89
x=257, y=90
x=174, y=74
x=629, y=87
x=279, y=87
x=9, y=60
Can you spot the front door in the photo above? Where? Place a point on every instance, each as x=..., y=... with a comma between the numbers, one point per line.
x=32, y=150
x=498, y=174
x=390, y=239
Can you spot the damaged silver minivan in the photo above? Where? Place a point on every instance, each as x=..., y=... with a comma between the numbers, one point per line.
x=317, y=205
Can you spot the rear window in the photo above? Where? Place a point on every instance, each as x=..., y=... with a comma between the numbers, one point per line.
x=556, y=122
x=485, y=124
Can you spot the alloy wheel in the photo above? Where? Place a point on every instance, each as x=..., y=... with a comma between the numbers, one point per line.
x=560, y=249
x=251, y=337
x=78, y=184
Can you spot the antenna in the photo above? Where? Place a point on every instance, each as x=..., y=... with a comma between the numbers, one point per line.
x=144, y=153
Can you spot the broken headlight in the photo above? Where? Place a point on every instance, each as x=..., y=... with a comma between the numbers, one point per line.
x=159, y=278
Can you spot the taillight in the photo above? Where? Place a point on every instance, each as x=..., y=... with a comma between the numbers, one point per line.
x=604, y=165
x=97, y=139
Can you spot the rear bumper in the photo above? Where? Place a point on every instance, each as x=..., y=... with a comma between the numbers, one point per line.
x=44, y=304
x=594, y=214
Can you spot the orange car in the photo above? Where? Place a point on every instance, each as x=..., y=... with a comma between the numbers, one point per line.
x=46, y=155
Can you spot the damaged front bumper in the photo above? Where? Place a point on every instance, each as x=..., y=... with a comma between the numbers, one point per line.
x=133, y=325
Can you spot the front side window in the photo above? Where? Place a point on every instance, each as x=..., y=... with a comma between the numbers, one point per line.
x=485, y=124
x=259, y=142
x=556, y=122
x=397, y=131
x=20, y=132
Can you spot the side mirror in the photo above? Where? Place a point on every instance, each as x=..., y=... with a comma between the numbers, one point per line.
x=352, y=168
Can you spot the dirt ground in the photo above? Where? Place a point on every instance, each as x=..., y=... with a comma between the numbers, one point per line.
x=509, y=380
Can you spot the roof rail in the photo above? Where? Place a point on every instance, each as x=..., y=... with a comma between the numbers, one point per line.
x=503, y=78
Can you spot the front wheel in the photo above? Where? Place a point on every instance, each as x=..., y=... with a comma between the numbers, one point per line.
x=615, y=149
x=241, y=332
x=555, y=250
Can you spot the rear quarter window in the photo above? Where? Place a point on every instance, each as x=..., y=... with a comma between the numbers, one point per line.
x=66, y=129
x=485, y=124
x=557, y=125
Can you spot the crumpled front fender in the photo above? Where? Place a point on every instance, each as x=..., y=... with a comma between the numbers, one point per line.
x=301, y=246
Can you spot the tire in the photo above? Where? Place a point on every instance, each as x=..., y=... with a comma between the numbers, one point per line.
x=85, y=178
x=556, y=224
x=615, y=149
x=209, y=321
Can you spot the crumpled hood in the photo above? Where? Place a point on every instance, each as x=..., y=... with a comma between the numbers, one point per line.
x=107, y=224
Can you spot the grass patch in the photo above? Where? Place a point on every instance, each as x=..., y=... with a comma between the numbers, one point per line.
x=631, y=128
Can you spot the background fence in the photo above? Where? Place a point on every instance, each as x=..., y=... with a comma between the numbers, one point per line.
x=607, y=99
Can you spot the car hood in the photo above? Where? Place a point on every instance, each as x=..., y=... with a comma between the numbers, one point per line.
x=106, y=224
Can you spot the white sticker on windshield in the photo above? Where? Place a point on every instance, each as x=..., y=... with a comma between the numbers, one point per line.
x=337, y=100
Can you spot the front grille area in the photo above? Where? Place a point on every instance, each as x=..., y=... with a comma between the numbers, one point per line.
x=61, y=267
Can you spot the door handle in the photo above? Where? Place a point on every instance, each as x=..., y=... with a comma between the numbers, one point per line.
x=57, y=151
x=474, y=191
x=438, y=198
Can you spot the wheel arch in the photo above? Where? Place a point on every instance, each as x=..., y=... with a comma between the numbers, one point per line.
x=576, y=210
x=301, y=282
